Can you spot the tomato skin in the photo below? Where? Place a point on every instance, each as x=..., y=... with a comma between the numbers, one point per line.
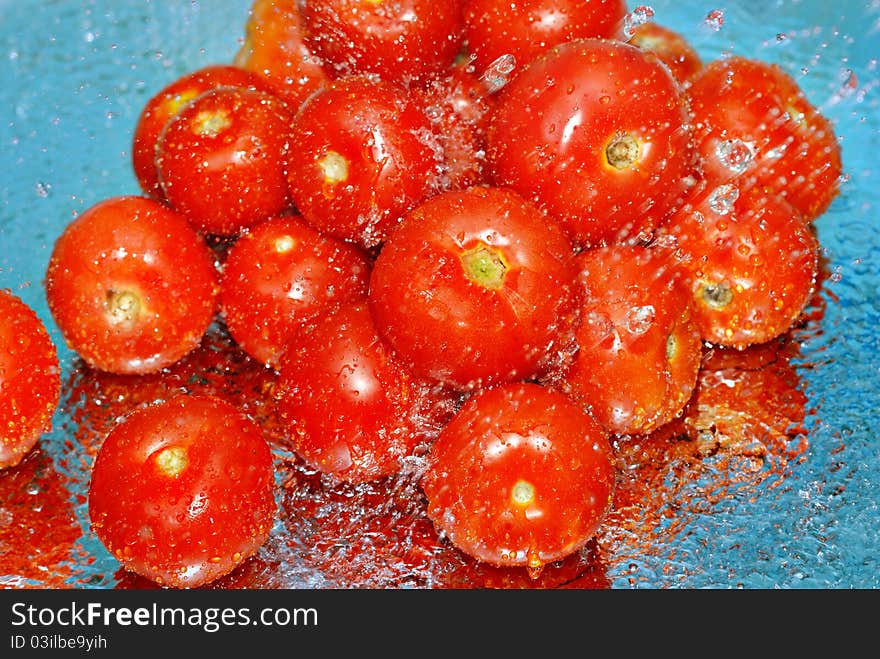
x=520, y=476
x=446, y=324
x=351, y=410
x=402, y=41
x=279, y=276
x=671, y=48
x=493, y=29
x=222, y=160
x=30, y=379
x=754, y=126
x=638, y=343
x=165, y=104
x=131, y=285
x=181, y=490
x=597, y=133
x=752, y=262
x=361, y=159
x=274, y=48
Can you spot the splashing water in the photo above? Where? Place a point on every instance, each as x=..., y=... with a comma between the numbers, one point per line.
x=735, y=155
x=638, y=16
x=715, y=19
x=723, y=197
x=497, y=74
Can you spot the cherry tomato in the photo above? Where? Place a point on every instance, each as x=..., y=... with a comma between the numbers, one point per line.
x=754, y=125
x=476, y=287
x=164, y=105
x=596, y=132
x=222, y=159
x=638, y=344
x=521, y=476
x=350, y=409
x=30, y=379
x=670, y=47
x=399, y=40
x=495, y=28
x=752, y=262
x=181, y=490
x=363, y=156
x=279, y=276
x=274, y=48
x=131, y=285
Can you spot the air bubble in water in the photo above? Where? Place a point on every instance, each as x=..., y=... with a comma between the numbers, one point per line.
x=715, y=19
x=639, y=319
x=497, y=74
x=42, y=189
x=723, y=197
x=638, y=16
x=735, y=155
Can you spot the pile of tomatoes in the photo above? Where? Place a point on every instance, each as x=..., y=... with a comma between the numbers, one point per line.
x=491, y=239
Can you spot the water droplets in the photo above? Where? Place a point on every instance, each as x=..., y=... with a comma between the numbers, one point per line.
x=714, y=20
x=735, y=155
x=42, y=189
x=638, y=16
x=497, y=74
x=639, y=319
x=722, y=198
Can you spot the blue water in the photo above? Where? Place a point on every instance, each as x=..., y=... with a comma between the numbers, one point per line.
x=76, y=74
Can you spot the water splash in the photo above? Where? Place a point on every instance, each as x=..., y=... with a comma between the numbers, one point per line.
x=638, y=16
x=722, y=198
x=497, y=74
x=735, y=155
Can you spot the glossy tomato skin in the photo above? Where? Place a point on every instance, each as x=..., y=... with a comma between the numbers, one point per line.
x=351, y=410
x=274, y=48
x=165, y=104
x=752, y=262
x=755, y=126
x=596, y=132
x=131, y=285
x=521, y=476
x=223, y=160
x=279, y=276
x=476, y=287
x=402, y=41
x=671, y=47
x=361, y=158
x=181, y=490
x=638, y=343
x=494, y=29
x=30, y=379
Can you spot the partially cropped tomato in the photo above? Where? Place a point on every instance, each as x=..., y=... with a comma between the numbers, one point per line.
x=671, y=47
x=281, y=275
x=521, y=476
x=30, y=379
x=752, y=262
x=596, y=131
x=399, y=40
x=165, y=104
x=754, y=125
x=476, y=287
x=223, y=159
x=274, y=48
x=495, y=28
x=361, y=157
x=181, y=490
x=131, y=285
x=638, y=344
x=349, y=408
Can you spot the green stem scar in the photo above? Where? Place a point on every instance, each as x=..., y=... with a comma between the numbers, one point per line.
x=485, y=266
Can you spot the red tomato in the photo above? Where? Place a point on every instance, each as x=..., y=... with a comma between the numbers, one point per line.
x=670, y=47
x=399, y=40
x=520, y=476
x=350, y=409
x=131, y=285
x=755, y=126
x=494, y=28
x=476, y=287
x=752, y=262
x=181, y=491
x=164, y=105
x=30, y=379
x=274, y=48
x=222, y=159
x=364, y=156
x=279, y=276
x=638, y=344
x=596, y=132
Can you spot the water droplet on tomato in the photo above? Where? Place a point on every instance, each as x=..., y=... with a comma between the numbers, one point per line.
x=639, y=319
x=723, y=197
x=735, y=155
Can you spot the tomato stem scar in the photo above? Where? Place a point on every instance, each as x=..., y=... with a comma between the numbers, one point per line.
x=622, y=151
x=123, y=306
x=485, y=266
x=172, y=460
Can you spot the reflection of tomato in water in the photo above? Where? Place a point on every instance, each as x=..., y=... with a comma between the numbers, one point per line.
x=181, y=490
